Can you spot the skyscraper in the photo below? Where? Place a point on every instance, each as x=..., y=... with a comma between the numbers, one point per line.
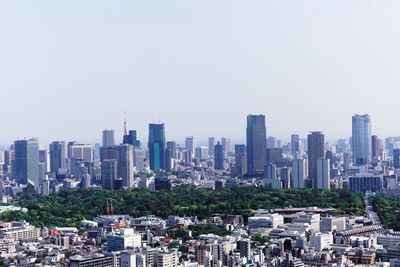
x=396, y=158
x=376, y=147
x=226, y=143
x=211, y=144
x=171, y=145
x=124, y=157
x=361, y=139
x=190, y=145
x=157, y=146
x=256, y=144
x=295, y=144
x=109, y=173
x=218, y=156
x=57, y=156
x=299, y=172
x=26, y=161
x=108, y=138
x=240, y=160
x=126, y=165
x=316, y=143
x=323, y=173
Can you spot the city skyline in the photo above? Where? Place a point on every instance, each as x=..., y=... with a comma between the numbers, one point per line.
x=297, y=62
x=118, y=136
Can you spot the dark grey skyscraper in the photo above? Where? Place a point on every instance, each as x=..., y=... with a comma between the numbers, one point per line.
x=108, y=138
x=109, y=173
x=57, y=156
x=316, y=143
x=256, y=133
x=26, y=161
x=126, y=165
x=157, y=146
x=219, y=156
x=124, y=157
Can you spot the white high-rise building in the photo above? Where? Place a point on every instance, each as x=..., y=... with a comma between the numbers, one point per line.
x=211, y=144
x=361, y=139
x=299, y=171
x=323, y=174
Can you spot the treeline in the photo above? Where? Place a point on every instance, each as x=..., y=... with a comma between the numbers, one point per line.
x=388, y=210
x=67, y=208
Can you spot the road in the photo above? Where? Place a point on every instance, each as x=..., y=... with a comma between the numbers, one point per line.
x=369, y=210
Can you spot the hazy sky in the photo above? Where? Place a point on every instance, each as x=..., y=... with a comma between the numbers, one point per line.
x=69, y=69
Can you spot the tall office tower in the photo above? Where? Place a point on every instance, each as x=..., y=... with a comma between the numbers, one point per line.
x=376, y=147
x=130, y=138
x=124, y=156
x=226, y=144
x=361, y=139
x=44, y=158
x=109, y=173
x=271, y=142
x=126, y=165
x=256, y=144
x=108, y=138
x=157, y=146
x=396, y=158
x=299, y=172
x=8, y=161
x=81, y=152
x=171, y=146
x=211, y=144
x=57, y=156
x=218, y=156
x=316, y=144
x=190, y=145
x=240, y=160
x=295, y=144
x=201, y=153
x=323, y=173
x=140, y=159
x=96, y=151
x=26, y=161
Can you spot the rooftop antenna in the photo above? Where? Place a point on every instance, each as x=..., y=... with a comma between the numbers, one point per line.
x=125, y=130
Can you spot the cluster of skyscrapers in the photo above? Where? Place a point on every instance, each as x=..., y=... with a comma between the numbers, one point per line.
x=304, y=162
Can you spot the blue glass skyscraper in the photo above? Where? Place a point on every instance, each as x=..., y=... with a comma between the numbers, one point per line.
x=157, y=146
x=26, y=161
x=256, y=136
x=361, y=139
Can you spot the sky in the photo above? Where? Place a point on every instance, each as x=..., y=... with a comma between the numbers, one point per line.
x=70, y=68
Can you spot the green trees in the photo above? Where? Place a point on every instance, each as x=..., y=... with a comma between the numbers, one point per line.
x=388, y=210
x=67, y=208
